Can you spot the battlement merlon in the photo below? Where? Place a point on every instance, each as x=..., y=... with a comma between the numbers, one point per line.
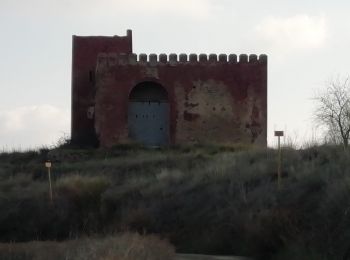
x=153, y=60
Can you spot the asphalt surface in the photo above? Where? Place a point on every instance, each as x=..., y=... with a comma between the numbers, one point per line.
x=208, y=257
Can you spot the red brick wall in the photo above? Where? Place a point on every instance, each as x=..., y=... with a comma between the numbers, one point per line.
x=84, y=58
x=211, y=101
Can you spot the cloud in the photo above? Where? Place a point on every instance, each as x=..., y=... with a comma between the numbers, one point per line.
x=114, y=8
x=190, y=7
x=197, y=9
x=293, y=33
x=32, y=126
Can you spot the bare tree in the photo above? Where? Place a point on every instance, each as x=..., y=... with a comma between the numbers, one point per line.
x=333, y=110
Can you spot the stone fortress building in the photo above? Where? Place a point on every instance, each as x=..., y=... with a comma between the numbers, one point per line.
x=119, y=97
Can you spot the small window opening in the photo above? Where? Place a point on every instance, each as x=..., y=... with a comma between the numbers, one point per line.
x=91, y=76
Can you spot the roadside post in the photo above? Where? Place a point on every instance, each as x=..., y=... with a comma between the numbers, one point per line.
x=278, y=134
x=48, y=166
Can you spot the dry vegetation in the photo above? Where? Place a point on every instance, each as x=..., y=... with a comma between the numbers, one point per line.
x=203, y=199
x=118, y=247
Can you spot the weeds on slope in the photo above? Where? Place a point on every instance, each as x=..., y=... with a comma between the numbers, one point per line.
x=127, y=246
x=205, y=199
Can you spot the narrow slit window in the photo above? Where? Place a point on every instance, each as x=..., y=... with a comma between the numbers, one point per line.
x=91, y=76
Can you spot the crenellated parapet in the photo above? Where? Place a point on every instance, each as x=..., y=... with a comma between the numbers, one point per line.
x=153, y=60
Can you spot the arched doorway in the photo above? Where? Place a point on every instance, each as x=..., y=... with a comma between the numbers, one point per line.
x=148, y=115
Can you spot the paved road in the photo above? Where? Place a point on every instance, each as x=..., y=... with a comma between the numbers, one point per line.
x=208, y=257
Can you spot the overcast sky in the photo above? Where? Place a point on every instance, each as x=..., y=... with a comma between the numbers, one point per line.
x=307, y=43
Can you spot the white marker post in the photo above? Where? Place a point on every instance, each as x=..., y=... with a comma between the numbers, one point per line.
x=279, y=162
x=48, y=166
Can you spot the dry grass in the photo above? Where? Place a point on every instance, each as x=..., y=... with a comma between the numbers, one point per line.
x=204, y=199
x=127, y=246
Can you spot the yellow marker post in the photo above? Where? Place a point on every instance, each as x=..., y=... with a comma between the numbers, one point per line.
x=279, y=162
x=48, y=166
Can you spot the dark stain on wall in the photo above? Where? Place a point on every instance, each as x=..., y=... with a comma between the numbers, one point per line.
x=190, y=116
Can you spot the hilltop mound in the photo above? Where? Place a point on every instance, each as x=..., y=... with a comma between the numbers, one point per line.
x=204, y=199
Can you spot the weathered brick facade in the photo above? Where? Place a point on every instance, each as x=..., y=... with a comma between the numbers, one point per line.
x=201, y=99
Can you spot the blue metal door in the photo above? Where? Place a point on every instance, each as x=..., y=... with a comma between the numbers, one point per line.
x=148, y=122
